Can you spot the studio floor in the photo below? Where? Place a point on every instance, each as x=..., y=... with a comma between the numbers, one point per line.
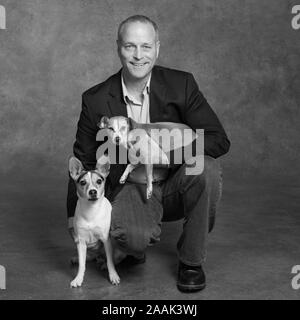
x=251, y=252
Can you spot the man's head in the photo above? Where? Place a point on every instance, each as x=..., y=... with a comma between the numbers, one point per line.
x=138, y=46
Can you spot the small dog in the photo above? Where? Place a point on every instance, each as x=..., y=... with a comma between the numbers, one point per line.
x=150, y=149
x=92, y=216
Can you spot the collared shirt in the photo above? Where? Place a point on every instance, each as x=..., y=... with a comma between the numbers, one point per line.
x=138, y=111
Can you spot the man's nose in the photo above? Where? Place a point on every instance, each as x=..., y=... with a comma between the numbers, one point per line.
x=138, y=53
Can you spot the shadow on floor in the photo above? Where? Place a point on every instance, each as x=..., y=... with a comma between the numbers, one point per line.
x=251, y=251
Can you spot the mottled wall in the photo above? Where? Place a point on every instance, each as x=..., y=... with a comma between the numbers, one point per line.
x=244, y=55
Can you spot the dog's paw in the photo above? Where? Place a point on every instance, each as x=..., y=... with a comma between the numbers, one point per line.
x=123, y=180
x=149, y=193
x=77, y=282
x=114, y=278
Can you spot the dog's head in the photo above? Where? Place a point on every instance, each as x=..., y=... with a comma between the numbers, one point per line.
x=117, y=128
x=89, y=184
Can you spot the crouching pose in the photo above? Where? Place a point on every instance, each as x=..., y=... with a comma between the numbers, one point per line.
x=148, y=93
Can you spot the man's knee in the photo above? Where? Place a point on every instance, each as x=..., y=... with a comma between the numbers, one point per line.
x=134, y=227
x=130, y=239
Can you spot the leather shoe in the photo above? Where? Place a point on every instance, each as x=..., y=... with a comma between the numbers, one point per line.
x=190, y=278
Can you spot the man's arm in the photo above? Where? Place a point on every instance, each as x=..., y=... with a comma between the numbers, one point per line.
x=199, y=115
x=85, y=148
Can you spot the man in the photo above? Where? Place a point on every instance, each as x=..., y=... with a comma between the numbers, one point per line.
x=149, y=93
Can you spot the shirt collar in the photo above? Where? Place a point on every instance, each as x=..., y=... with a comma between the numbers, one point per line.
x=126, y=95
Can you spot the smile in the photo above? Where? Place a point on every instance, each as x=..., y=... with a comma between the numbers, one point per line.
x=138, y=64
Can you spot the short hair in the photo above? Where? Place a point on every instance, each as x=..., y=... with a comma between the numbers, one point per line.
x=137, y=18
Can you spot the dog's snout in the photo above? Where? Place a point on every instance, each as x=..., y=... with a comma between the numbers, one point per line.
x=117, y=140
x=93, y=192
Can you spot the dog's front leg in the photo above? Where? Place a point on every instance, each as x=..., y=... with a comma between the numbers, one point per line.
x=149, y=175
x=113, y=275
x=81, y=249
x=127, y=171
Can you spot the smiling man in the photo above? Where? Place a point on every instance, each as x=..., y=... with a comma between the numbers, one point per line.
x=138, y=48
x=149, y=93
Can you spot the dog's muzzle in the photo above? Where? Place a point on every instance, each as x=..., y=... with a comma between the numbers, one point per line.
x=93, y=195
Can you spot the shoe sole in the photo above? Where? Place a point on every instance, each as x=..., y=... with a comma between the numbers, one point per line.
x=190, y=288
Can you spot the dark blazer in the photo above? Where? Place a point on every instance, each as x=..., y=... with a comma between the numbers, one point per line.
x=174, y=97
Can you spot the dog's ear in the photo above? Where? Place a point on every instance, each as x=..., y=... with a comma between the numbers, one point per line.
x=132, y=140
x=131, y=124
x=103, y=123
x=75, y=168
x=103, y=165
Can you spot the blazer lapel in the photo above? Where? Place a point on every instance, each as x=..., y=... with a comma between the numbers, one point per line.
x=157, y=97
x=116, y=103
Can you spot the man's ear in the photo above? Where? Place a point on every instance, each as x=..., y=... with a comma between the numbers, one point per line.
x=75, y=168
x=157, y=48
x=103, y=122
x=103, y=165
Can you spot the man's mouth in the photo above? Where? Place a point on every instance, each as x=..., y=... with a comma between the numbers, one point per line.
x=138, y=65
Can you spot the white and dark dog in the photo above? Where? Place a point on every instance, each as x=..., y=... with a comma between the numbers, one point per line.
x=147, y=144
x=92, y=216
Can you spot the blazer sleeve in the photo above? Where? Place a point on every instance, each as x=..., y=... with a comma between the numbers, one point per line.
x=199, y=115
x=85, y=146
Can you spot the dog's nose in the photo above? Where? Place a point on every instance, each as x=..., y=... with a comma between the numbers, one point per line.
x=117, y=140
x=93, y=192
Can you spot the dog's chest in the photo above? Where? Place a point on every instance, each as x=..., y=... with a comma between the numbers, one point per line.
x=94, y=225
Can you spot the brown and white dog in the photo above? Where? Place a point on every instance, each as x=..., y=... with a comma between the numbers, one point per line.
x=92, y=216
x=146, y=143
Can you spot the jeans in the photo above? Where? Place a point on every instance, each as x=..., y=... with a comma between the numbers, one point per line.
x=136, y=222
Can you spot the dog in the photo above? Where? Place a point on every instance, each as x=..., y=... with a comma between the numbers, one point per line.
x=92, y=215
x=144, y=143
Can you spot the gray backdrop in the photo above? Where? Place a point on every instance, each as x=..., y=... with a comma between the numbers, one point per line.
x=244, y=55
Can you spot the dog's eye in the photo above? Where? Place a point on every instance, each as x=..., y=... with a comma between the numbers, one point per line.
x=82, y=183
x=99, y=181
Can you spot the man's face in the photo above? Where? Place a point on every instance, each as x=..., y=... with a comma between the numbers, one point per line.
x=138, y=50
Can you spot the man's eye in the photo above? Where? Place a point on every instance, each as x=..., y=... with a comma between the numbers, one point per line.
x=99, y=181
x=147, y=47
x=82, y=183
x=110, y=128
